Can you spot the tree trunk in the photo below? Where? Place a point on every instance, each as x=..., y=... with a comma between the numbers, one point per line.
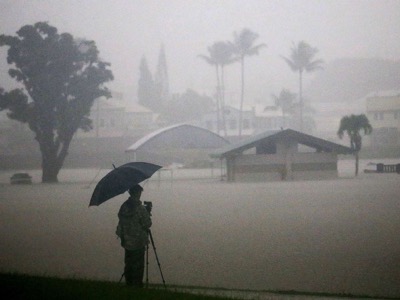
x=223, y=101
x=241, y=99
x=52, y=158
x=218, y=99
x=50, y=170
x=301, y=99
x=357, y=158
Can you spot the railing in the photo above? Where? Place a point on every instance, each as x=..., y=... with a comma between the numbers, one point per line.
x=381, y=168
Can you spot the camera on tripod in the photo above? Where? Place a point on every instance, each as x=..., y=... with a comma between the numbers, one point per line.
x=148, y=205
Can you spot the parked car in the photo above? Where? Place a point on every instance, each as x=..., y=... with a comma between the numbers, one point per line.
x=21, y=178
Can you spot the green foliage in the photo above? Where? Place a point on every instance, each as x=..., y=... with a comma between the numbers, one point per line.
x=302, y=59
x=15, y=286
x=220, y=54
x=353, y=125
x=46, y=288
x=147, y=93
x=186, y=107
x=285, y=100
x=243, y=45
x=161, y=77
x=153, y=92
x=62, y=76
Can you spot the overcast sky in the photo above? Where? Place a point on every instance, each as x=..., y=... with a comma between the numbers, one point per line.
x=125, y=30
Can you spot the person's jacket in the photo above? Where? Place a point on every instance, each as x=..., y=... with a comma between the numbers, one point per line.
x=134, y=223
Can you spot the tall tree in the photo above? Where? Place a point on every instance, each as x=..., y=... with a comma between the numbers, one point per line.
x=243, y=45
x=147, y=95
x=353, y=125
x=302, y=59
x=161, y=80
x=220, y=55
x=62, y=77
x=285, y=100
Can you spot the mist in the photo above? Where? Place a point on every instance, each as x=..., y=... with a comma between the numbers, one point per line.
x=126, y=30
x=336, y=236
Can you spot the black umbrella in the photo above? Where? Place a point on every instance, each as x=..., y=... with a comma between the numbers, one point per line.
x=121, y=179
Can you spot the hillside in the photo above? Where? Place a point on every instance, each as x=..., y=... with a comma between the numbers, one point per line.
x=349, y=79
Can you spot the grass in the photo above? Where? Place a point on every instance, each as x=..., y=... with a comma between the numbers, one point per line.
x=16, y=286
x=20, y=286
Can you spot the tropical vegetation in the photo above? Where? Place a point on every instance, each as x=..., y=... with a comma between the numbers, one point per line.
x=286, y=101
x=302, y=60
x=220, y=55
x=353, y=125
x=243, y=46
x=62, y=76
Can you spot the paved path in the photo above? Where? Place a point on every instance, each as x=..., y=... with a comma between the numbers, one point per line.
x=234, y=294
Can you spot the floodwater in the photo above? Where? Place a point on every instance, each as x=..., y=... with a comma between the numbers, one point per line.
x=337, y=236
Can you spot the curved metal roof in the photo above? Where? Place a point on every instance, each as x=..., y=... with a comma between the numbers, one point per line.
x=179, y=136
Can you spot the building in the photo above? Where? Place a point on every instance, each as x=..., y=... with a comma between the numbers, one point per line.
x=383, y=112
x=255, y=119
x=178, y=144
x=112, y=118
x=281, y=155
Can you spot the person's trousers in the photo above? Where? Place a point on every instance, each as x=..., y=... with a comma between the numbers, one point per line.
x=134, y=267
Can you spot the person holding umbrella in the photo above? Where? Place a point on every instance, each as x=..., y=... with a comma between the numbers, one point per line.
x=133, y=227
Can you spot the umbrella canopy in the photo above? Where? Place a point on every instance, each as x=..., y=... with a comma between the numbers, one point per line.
x=121, y=179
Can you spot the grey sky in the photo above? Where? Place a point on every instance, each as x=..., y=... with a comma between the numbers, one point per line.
x=124, y=30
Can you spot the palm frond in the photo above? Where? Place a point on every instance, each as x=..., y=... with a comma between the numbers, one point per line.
x=291, y=64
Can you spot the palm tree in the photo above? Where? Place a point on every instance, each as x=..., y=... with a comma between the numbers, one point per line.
x=352, y=125
x=300, y=60
x=243, y=45
x=285, y=102
x=220, y=55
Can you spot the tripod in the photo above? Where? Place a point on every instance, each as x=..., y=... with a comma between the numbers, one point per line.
x=158, y=261
x=147, y=262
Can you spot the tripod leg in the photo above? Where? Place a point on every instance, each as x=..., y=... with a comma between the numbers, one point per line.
x=158, y=262
x=122, y=276
x=147, y=266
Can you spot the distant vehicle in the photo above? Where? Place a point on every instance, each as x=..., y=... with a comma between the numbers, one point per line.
x=21, y=178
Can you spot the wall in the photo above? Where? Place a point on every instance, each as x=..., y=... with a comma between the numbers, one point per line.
x=383, y=112
x=295, y=166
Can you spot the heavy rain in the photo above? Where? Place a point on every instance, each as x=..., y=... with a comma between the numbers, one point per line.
x=267, y=183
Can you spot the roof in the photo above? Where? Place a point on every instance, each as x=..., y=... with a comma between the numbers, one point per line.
x=387, y=93
x=179, y=136
x=271, y=137
x=137, y=108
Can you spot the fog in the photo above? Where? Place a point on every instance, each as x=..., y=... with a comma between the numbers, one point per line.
x=338, y=236
x=125, y=30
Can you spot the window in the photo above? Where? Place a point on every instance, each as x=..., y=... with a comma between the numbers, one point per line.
x=396, y=115
x=378, y=116
x=246, y=124
x=232, y=124
x=101, y=122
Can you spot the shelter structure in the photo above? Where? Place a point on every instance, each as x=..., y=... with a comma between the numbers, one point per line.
x=281, y=155
x=179, y=144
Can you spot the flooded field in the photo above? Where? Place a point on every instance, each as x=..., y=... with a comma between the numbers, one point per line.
x=338, y=236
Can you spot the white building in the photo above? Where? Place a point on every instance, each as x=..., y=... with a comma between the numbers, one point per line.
x=113, y=118
x=255, y=119
x=383, y=112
